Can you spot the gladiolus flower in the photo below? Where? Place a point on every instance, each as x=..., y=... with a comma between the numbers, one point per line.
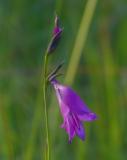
x=73, y=111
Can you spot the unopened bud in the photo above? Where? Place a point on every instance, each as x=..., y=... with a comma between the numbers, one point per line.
x=57, y=31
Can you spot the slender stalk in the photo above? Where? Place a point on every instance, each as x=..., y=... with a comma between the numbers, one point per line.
x=80, y=40
x=45, y=107
x=38, y=116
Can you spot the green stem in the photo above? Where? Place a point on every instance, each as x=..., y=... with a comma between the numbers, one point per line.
x=45, y=107
x=80, y=41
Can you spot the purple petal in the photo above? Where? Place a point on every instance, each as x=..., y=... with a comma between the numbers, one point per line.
x=80, y=132
x=88, y=116
x=73, y=126
x=72, y=100
x=63, y=107
x=69, y=128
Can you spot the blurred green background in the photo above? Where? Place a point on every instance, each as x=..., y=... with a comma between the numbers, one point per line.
x=94, y=47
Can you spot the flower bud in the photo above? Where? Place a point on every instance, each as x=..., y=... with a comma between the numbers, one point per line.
x=57, y=32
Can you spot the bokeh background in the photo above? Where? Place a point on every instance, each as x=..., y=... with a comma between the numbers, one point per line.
x=94, y=48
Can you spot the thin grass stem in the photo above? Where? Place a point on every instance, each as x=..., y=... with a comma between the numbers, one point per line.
x=80, y=40
x=45, y=108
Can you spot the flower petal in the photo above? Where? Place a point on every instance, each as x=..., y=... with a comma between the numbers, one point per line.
x=88, y=116
x=73, y=126
x=63, y=107
x=69, y=128
x=80, y=132
x=72, y=100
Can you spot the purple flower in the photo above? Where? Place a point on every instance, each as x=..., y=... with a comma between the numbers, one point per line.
x=73, y=110
x=57, y=31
